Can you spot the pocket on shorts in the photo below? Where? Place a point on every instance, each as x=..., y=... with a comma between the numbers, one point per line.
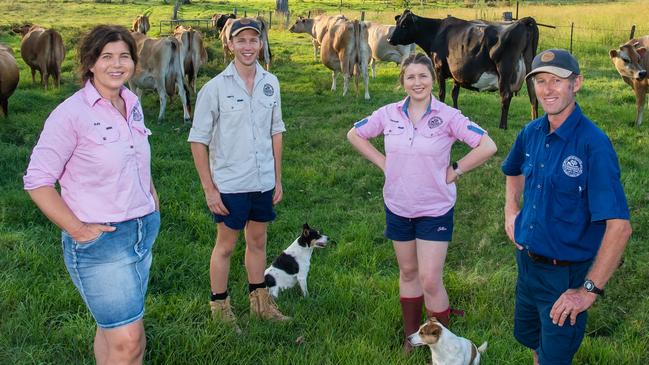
x=81, y=245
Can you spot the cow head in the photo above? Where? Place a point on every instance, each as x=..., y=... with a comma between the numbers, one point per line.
x=628, y=60
x=405, y=30
x=23, y=30
x=218, y=20
x=302, y=25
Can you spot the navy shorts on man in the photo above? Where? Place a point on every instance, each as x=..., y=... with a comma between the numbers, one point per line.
x=254, y=206
x=538, y=287
x=398, y=228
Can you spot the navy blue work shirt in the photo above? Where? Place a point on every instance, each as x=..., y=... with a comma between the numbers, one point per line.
x=572, y=186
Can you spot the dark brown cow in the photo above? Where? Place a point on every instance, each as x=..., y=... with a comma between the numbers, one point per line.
x=477, y=55
x=631, y=61
x=9, y=76
x=193, y=52
x=42, y=49
x=218, y=20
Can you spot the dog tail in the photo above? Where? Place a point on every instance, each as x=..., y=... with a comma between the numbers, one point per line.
x=482, y=347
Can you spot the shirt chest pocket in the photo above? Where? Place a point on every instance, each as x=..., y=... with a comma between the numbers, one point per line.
x=102, y=133
x=394, y=133
x=569, y=198
x=231, y=105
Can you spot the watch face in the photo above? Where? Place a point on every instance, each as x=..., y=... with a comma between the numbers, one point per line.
x=589, y=285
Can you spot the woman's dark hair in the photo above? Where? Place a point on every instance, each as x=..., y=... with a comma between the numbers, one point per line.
x=93, y=43
x=420, y=59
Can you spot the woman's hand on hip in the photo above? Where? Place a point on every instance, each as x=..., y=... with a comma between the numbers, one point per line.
x=90, y=231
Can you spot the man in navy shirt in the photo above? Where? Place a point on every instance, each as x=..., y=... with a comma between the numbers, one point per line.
x=573, y=225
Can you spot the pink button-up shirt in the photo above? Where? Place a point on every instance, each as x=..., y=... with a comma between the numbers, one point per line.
x=101, y=161
x=417, y=156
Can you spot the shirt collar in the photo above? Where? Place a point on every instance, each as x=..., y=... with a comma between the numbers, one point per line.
x=92, y=96
x=567, y=127
x=433, y=105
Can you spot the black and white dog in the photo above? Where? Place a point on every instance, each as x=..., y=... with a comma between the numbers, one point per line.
x=292, y=266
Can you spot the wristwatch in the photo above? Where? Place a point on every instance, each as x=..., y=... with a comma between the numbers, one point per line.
x=457, y=169
x=591, y=288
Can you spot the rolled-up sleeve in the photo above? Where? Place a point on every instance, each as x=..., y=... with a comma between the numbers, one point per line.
x=514, y=161
x=206, y=114
x=606, y=197
x=52, y=151
x=277, y=124
x=465, y=130
x=371, y=126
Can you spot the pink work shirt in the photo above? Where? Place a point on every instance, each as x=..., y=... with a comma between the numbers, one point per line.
x=101, y=161
x=417, y=156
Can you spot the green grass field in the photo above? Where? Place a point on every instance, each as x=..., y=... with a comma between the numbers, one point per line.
x=352, y=315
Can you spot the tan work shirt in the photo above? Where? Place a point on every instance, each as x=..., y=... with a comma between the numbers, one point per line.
x=237, y=128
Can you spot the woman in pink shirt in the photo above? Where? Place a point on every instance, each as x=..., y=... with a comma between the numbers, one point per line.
x=96, y=146
x=419, y=190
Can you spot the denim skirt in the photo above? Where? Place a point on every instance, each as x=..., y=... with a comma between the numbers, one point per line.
x=111, y=272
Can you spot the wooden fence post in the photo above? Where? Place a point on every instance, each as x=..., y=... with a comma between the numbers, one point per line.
x=632, y=32
x=363, y=15
x=572, y=29
x=235, y=12
x=245, y=13
x=270, y=19
x=309, y=15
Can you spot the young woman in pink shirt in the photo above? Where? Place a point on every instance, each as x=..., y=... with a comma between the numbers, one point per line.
x=95, y=145
x=419, y=190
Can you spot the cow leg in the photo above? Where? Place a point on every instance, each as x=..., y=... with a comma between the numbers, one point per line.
x=455, y=93
x=345, y=83
x=373, y=65
x=333, y=80
x=4, y=106
x=33, y=75
x=45, y=79
x=183, y=93
x=640, y=94
x=504, y=111
x=162, y=94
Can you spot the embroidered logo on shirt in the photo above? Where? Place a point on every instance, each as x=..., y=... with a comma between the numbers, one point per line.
x=572, y=166
x=268, y=90
x=441, y=229
x=435, y=122
x=136, y=115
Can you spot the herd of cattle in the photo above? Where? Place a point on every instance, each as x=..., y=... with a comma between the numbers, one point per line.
x=477, y=55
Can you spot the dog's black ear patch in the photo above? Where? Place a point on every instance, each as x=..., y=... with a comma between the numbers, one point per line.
x=287, y=264
x=270, y=280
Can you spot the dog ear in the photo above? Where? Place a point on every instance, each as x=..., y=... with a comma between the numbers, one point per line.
x=306, y=227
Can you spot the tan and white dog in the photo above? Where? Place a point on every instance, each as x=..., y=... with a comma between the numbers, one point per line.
x=446, y=348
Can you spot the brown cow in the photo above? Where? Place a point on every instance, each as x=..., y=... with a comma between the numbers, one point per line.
x=9, y=76
x=193, y=52
x=344, y=49
x=42, y=49
x=141, y=23
x=265, y=45
x=160, y=67
x=316, y=27
x=631, y=61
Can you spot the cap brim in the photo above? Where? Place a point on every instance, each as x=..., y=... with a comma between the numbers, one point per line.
x=244, y=28
x=558, y=71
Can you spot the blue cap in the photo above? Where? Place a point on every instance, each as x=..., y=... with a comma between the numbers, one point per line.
x=558, y=62
x=242, y=24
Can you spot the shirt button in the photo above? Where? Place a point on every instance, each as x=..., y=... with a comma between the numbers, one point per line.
x=534, y=206
x=547, y=145
x=389, y=130
x=131, y=146
x=104, y=138
x=410, y=139
x=542, y=165
x=531, y=226
x=538, y=186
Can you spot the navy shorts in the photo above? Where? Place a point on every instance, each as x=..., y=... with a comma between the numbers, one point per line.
x=243, y=207
x=538, y=286
x=398, y=228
